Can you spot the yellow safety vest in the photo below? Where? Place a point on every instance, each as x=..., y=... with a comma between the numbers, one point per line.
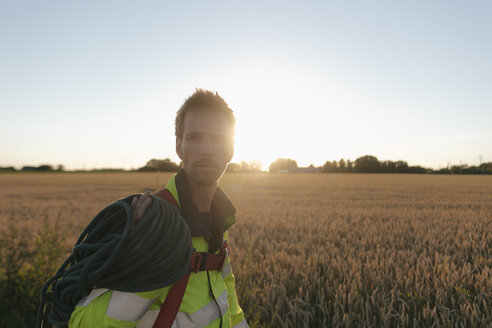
x=109, y=308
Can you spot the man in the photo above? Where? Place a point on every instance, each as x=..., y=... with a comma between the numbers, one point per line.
x=204, y=142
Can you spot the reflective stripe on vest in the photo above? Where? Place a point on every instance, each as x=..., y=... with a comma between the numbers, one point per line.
x=127, y=306
x=242, y=324
x=201, y=318
x=226, y=269
x=92, y=296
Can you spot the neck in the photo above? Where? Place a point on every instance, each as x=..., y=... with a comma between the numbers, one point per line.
x=202, y=195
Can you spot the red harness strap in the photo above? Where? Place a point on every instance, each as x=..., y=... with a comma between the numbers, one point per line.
x=200, y=261
x=167, y=196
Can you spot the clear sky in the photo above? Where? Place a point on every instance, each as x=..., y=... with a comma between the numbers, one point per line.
x=91, y=84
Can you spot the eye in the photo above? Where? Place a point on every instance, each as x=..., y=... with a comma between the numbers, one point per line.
x=192, y=137
x=219, y=138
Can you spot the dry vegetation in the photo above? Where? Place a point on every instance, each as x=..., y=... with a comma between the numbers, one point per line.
x=319, y=250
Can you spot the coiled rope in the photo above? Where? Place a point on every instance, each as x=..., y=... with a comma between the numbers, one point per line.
x=111, y=253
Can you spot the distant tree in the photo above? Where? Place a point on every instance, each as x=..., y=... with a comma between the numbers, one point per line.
x=255, y=166
x=401, y=167
x=367, y=164
x=45, y=167
x=465, y=169
x=60, y=168
x=233, y=168
x=457, y=169
x=107, y=170
x=244, y=167
x=393, y=167
x=281, y=164
x=349, y=166
x=328, y=167
x=8, y=168
x=417, y=169
x=486, y=168
x=387, y=167
x=160, y=165
x=342, y=167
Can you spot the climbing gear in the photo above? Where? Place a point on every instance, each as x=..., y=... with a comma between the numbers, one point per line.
x=200, y=261
x=209, y=296
x=112, y=254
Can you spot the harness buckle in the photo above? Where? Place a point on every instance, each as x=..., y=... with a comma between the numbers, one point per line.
x=226, y=255
x=203, y=261
x=196, y=260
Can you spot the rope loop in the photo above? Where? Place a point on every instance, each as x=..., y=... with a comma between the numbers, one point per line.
x=112, y=254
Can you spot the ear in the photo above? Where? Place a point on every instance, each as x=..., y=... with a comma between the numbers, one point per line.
x=178, y=148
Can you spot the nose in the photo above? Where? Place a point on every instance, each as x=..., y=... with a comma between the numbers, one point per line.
x=207, y=146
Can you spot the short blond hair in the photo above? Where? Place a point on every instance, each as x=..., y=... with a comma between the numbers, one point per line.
x=203, y=100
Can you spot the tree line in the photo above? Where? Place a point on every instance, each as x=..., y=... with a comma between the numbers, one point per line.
x=371, y=164
x=154, y=165
x=363, y=164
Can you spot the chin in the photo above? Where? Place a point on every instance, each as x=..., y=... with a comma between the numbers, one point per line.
x=204, y=179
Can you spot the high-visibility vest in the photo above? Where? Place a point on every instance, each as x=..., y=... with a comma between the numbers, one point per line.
x=209, y=300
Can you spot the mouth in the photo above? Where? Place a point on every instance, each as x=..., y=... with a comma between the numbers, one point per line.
x=205, y=164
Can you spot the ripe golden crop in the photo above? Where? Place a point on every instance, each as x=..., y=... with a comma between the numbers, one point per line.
x=316, y=250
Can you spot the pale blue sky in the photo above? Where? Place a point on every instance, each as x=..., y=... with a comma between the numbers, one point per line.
x=97, y=83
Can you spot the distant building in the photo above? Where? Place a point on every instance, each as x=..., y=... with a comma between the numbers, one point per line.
x=309, y=169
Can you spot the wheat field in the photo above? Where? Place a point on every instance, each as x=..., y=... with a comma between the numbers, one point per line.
x=307, y=250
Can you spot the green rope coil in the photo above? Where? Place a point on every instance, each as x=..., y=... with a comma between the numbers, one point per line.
x=112, y=253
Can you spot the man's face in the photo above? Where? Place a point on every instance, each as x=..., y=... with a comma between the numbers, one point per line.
x=205, y=147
